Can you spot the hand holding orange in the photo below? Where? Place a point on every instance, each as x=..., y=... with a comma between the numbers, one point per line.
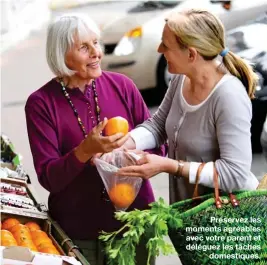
x=116, y=125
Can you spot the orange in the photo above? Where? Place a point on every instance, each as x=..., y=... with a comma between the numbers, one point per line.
x=25, y=240
x=38, y=233
x=21, y=230
x=9, y=242
x=7, y=239
x=10, y=222
x=44, y=245
x=5, y=234
x=28, y=244
x=50, y=250
x=18, y=227
x=33, y=248
x=22, y=235
x=33, y=226
x=21, y=240
x=41, y=240
x=122, y=195
x=116, y=125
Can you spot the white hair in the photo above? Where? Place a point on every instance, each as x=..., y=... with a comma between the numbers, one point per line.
x=60, y=37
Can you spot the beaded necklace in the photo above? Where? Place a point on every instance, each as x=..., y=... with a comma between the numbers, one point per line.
x=104, y=195
x=67, y=96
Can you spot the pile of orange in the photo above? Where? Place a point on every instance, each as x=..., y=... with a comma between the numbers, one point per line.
x=122, y=195
x=29, y=235
x=23, y=237
x=116, y=125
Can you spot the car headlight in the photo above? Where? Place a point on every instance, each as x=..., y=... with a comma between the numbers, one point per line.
x=129, y=42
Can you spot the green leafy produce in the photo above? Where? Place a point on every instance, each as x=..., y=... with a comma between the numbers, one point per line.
x=152, y=223
x=8, y=153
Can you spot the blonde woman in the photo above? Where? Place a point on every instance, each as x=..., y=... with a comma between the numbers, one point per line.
x=206, y=112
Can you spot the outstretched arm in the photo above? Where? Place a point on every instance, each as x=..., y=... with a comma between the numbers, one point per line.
x=152, y=133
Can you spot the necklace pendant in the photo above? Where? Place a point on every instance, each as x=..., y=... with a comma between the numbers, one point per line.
x=98, y=109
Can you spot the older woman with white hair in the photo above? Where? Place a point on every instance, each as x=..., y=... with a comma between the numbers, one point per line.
x=65, y=118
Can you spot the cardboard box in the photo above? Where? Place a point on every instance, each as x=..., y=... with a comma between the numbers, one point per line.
x=23, y=256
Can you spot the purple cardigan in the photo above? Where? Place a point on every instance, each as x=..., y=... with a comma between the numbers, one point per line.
x=75, y=199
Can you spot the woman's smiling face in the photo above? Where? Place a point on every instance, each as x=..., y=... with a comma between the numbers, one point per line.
x=176, y=57
x=85, y=56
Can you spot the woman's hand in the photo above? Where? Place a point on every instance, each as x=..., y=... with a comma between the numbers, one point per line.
x=148, y=166
x=128, y=158
x=129, y=144
x=96, y=143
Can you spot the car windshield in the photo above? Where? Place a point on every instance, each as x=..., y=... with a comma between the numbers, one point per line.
x=247, y=37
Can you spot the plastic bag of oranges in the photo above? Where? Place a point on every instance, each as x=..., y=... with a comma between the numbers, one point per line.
x=122, y=191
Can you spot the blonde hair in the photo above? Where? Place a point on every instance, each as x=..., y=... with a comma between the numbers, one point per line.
x=205, y=32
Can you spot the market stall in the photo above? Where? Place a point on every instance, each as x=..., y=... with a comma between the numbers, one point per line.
x=28, y=234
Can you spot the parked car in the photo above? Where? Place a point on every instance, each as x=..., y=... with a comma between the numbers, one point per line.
x=131, y=41
x=250, y=42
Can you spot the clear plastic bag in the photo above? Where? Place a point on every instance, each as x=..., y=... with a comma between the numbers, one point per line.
x=122, y=191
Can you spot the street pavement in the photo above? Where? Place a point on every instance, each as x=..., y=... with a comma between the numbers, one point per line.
x=23, y=70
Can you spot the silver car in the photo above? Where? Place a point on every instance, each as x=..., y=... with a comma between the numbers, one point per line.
x=131, y=41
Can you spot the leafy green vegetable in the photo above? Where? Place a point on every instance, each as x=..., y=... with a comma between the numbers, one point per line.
x=121, y=244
